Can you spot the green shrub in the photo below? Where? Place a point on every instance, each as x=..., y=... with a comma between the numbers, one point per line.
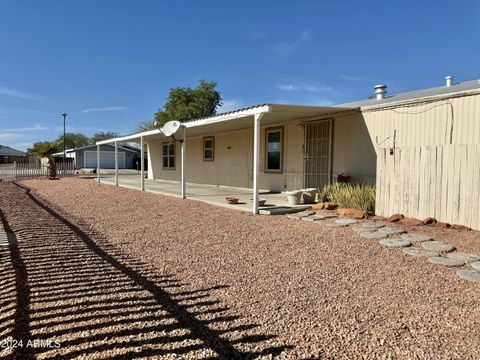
x=354, y=196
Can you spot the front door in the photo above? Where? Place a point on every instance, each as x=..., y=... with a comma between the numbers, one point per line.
x=317, y=155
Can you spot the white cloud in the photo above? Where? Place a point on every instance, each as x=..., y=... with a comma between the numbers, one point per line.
x=107, y=108
x=30, y=128
x=229, y=105
x=285, y=47
x=306, y=87
x=7, y=91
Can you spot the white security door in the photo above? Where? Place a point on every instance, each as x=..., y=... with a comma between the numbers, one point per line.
x=107, y=159
x=318, y=145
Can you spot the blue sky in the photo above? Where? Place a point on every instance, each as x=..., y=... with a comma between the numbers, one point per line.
x=110, y=63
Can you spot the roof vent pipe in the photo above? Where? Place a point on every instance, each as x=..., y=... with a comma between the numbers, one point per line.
x=380, y=91
x=449, y=80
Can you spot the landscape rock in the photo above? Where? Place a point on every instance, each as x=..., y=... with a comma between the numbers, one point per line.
x=372, y=225
x=461, y=227
x=429, y=220
x=319, y=206
x=351, y=213
x=330, y=206
x=395, y=218
x=379, y=218
x=411, y=222
x=476, y=265
x=313, y=218
x=442, y=225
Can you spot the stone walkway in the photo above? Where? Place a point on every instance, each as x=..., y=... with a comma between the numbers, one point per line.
x=413, y=244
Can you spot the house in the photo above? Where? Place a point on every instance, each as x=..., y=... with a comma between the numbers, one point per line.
x=86, y=156
x=9, y=155
x=418, y=147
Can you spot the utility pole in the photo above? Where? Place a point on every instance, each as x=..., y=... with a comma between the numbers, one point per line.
x=64, y=152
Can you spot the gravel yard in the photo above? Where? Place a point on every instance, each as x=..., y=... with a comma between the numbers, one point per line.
x=117, y=272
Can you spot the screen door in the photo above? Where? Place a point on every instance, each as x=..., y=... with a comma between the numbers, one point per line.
x=318, y=148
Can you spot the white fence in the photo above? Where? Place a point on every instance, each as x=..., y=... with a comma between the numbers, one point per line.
x=16, y=171
x=438, y=181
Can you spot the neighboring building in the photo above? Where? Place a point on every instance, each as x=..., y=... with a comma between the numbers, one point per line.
x=9, y=155
x=86, y=156
x=418, y=147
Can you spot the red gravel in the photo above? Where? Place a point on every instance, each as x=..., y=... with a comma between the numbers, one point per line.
x=314, y=291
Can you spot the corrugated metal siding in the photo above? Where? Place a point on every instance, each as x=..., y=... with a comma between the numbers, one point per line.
x=427, y=124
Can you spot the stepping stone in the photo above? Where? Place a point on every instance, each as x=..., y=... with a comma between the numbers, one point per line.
x=414, y=238
x=372, y=225
x=346, y=221
x=469, y=275
x=361, y=229
x=373, y=234
x=335, y=224
x=420, y=252
x=395, y=243
x=387, y=230
x=475, y=265
x=299, y=215
x=313, y=218
x=437, y=246
x=463, y=256
x=446, y=261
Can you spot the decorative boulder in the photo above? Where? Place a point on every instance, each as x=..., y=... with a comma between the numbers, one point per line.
x=330, y=206
x=442, y=225
x=395, y=218
x=351, y=213
x=411, y=222
x=429, y=220
x=319, y=206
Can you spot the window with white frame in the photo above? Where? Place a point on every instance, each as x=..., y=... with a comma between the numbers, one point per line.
x=168, y=156
x=208, y=148
x=274, y=149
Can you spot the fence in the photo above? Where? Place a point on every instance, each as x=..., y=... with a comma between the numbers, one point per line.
x=437, y=181
x=16, y=171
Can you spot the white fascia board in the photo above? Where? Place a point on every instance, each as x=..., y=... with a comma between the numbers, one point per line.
x=130, y=137
x=229, y=116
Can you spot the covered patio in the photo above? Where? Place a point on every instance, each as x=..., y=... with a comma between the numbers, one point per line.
x=211, y=194
x=252, y=118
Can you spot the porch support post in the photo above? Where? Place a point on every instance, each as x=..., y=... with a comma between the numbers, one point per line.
x=142, y=165
x=98, y=163
x=256, y=160
x=182, y=158
x=116, y=163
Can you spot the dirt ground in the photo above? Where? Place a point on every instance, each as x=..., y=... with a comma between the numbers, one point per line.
x=109, y=272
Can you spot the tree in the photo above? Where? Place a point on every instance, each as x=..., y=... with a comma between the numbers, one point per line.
x=99, y=136
x=185, y=103
x=146, y=125
x=46, y=149
x=72, y=140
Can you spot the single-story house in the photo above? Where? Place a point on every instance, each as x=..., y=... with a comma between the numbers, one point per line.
x=9, y=155
x=417, y=147
x=86, y=156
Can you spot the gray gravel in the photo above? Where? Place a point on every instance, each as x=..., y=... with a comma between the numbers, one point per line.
x=321, y=292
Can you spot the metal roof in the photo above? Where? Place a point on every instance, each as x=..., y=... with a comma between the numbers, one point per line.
x=123, y=147
x=418, y=94
x=8, y=151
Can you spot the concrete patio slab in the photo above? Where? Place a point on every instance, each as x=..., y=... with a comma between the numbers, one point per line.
x=276, y=203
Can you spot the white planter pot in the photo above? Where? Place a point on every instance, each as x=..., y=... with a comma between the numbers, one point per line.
x=294, y=197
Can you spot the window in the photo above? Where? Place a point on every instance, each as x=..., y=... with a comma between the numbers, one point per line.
x=274, y=149
x=168, y=156
x=208, y=148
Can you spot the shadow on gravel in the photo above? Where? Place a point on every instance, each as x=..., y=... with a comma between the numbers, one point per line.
x=93, y=301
